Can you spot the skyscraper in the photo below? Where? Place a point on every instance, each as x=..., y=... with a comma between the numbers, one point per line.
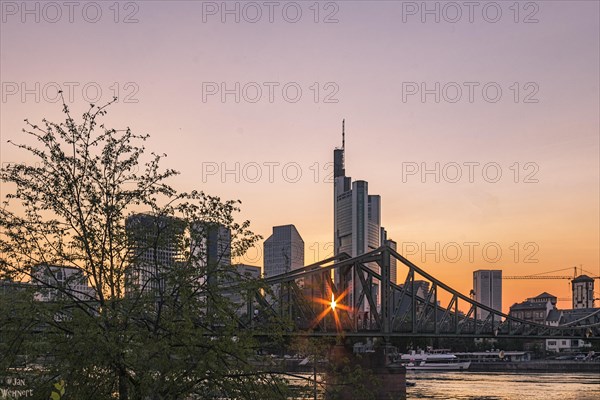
x=159, y=245
x=393, y=262
x=156, y=243
x=487, y=289
x=357, y=219
x=283, y=251
x=211, y=245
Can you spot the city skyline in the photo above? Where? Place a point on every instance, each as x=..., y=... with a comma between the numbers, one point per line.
x=373, y=67
x=208, y=199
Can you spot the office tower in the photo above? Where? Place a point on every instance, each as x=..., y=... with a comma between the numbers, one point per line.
x=211, y=246
x=283, y=251
x=393, y=262
x=157, y=247
x=487, y=289
x=357, y=220
x=160, y=243
x=583, y=292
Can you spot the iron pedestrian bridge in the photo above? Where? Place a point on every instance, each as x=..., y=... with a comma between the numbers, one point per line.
x=309, y=301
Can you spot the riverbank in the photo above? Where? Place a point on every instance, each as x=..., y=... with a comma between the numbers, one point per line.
x=536, y=366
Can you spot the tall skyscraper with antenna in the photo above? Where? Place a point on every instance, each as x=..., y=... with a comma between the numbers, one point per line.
x=357, y=218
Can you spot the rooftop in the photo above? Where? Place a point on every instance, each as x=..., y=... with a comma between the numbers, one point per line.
x=528, y=305
x=578, y=313
x=582, y=278
x=544, y=295
x=554, y=316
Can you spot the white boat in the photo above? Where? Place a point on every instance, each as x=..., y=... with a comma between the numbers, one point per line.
x=433, y=361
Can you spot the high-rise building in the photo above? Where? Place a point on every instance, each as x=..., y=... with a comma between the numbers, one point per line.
x=583, y=292
x=159, y=245
x=393, y=262
x=239, y=273
x=58, y=282
x=283, y=251
x=211, y=245
x=487, y=289
x=356, y=220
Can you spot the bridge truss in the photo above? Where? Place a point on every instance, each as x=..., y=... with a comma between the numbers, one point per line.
x=366, y=303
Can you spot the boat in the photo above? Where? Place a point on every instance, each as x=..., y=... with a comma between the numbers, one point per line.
x=427, y=361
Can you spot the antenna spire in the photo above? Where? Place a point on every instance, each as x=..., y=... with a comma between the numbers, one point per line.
x=343, y=134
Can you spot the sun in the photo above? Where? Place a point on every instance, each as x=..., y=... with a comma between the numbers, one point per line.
x=333, y=306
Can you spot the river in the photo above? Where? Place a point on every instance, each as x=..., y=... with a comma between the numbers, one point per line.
x=502, y=386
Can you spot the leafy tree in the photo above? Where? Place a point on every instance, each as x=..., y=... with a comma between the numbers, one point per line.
x=156, y=323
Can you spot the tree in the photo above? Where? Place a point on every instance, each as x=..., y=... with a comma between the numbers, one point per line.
x=154, y=323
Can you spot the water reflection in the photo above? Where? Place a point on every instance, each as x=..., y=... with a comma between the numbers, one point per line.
x=503, y=386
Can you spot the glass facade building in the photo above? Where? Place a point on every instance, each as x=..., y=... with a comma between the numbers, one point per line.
x=487, y=289
x=283, y=251
x=357, y=222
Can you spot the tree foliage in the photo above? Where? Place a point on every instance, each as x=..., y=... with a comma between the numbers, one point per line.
x=172, y=334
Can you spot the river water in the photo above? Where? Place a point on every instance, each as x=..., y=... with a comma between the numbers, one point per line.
x=502, y=386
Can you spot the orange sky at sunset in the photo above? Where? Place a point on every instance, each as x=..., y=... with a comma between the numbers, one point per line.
x=534, y=188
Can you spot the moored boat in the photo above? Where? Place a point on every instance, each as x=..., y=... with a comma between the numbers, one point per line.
x=433, y=361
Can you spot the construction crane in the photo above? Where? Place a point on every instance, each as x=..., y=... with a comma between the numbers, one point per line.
x=542, y=276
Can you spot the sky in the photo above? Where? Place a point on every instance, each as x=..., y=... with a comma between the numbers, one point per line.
x=478, y=123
